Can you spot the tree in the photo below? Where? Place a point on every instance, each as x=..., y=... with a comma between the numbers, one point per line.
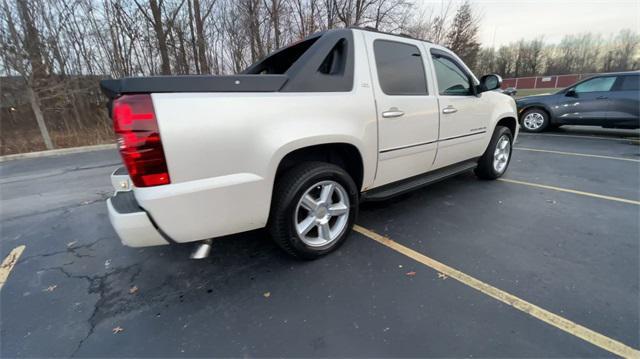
x=462, y=37
x=156, y=20
x=22, y=44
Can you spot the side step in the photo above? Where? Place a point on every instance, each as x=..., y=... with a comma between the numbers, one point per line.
x=403, y=186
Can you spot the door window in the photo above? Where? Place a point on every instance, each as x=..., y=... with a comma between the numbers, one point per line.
x=629, y=83
x=452, y=80
x=400, y=68
x=598, y=84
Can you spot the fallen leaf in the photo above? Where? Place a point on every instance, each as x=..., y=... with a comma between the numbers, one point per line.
x=267, y=294
x=133, y=290
x=411, y=274
x=442, y=276
x=51, y=288
x=117, y=330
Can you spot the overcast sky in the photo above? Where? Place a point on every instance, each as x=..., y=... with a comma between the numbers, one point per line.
x=506, y=21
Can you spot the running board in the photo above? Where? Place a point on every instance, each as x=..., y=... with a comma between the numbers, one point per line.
x=403, y=186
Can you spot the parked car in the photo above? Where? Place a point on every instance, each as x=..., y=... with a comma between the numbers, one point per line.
x=609, y=100
x=511, y=91
x=299, y=139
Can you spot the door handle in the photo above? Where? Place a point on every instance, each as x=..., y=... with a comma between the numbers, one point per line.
x=449, y=109
x=392, y=112
x=601, y=98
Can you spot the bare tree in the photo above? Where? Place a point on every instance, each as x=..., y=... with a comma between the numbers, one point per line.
x=25, y=43
x=462, y=38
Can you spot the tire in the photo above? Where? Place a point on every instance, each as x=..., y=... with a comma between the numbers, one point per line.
x=534, y=120
x=291, y=215
x=493, y=163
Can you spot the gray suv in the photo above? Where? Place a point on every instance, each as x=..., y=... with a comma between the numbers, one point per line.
x=609, y=100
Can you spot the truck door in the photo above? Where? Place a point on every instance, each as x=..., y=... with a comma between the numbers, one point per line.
x=407, y=110
x=464, y=117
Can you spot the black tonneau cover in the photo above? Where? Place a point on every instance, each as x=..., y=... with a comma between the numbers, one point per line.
x=194, y=83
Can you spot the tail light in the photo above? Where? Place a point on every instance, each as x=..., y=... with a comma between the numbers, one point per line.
x=136, y=128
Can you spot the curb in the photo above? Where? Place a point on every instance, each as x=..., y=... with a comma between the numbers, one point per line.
x=61, y=151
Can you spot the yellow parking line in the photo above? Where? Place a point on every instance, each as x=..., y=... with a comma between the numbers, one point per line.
x=567, y=190
x=576, y=154
x=9, y=262
x=533, y=310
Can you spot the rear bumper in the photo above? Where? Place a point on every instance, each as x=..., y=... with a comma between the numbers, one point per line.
x=132, y=223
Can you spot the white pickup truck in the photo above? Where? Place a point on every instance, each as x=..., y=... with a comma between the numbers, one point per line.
x=297, y=140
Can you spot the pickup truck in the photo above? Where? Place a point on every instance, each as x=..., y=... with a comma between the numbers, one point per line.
x=299, y=139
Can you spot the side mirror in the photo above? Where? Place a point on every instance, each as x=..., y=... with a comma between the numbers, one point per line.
x=490, y=82
x=571, y=93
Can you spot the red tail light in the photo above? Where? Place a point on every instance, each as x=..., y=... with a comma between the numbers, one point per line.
x=134, y=122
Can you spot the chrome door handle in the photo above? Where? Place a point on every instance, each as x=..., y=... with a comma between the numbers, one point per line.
x=448, y=110
x=392, y=112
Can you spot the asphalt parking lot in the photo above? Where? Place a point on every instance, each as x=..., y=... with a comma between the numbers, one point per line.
x=561, y=232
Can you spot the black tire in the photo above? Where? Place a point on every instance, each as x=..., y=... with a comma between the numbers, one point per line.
x=535, y=112
x=288, y=191
x=486, y=169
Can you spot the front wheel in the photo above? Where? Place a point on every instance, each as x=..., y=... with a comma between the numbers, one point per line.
x=496, y=158
x=314, y=207
x=535, y=120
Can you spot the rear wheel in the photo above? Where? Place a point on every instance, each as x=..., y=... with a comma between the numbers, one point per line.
x=535, y=120
x=496, y=158
x=314, y=207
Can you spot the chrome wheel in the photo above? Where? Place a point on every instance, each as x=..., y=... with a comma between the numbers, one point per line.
x=501, y=154
x=322, y=214
x=533, y=121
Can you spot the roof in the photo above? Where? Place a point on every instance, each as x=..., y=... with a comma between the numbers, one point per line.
x=371, y=29
x=619, y=73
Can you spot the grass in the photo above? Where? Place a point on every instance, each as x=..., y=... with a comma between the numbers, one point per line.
x=529, y=92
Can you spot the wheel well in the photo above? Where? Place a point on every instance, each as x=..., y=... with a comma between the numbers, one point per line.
x=343, y=155
x=508, y=122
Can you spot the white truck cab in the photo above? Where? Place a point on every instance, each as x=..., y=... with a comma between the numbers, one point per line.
x=297, y=140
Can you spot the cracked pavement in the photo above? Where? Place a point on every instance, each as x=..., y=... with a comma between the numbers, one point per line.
x=73, y=283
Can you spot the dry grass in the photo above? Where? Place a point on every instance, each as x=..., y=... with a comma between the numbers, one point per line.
x=30, y=141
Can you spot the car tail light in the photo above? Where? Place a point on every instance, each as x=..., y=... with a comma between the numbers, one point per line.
x=136, y=128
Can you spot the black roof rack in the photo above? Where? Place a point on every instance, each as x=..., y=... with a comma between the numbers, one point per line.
x=373, y=29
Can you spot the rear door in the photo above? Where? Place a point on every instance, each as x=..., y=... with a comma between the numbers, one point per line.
x=407, y=109
x=624, y=102
x=588, y=103
x=464, y=116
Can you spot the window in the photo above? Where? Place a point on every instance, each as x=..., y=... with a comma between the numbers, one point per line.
x=452, y=80
x=629, y=83
x=400, y=68
x=596, y=85
x=280, y=61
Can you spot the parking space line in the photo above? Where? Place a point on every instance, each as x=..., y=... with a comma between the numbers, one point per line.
x=567, y=190
x=575, y=154
x=9, y=262
x=533, y=310
x=626, y=139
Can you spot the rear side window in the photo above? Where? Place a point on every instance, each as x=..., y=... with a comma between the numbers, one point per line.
x=400, y=68
x=452, y=80
x=629, y=83
x=599, y=84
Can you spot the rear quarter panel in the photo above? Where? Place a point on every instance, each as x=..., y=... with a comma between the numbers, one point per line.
x=223, y=150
